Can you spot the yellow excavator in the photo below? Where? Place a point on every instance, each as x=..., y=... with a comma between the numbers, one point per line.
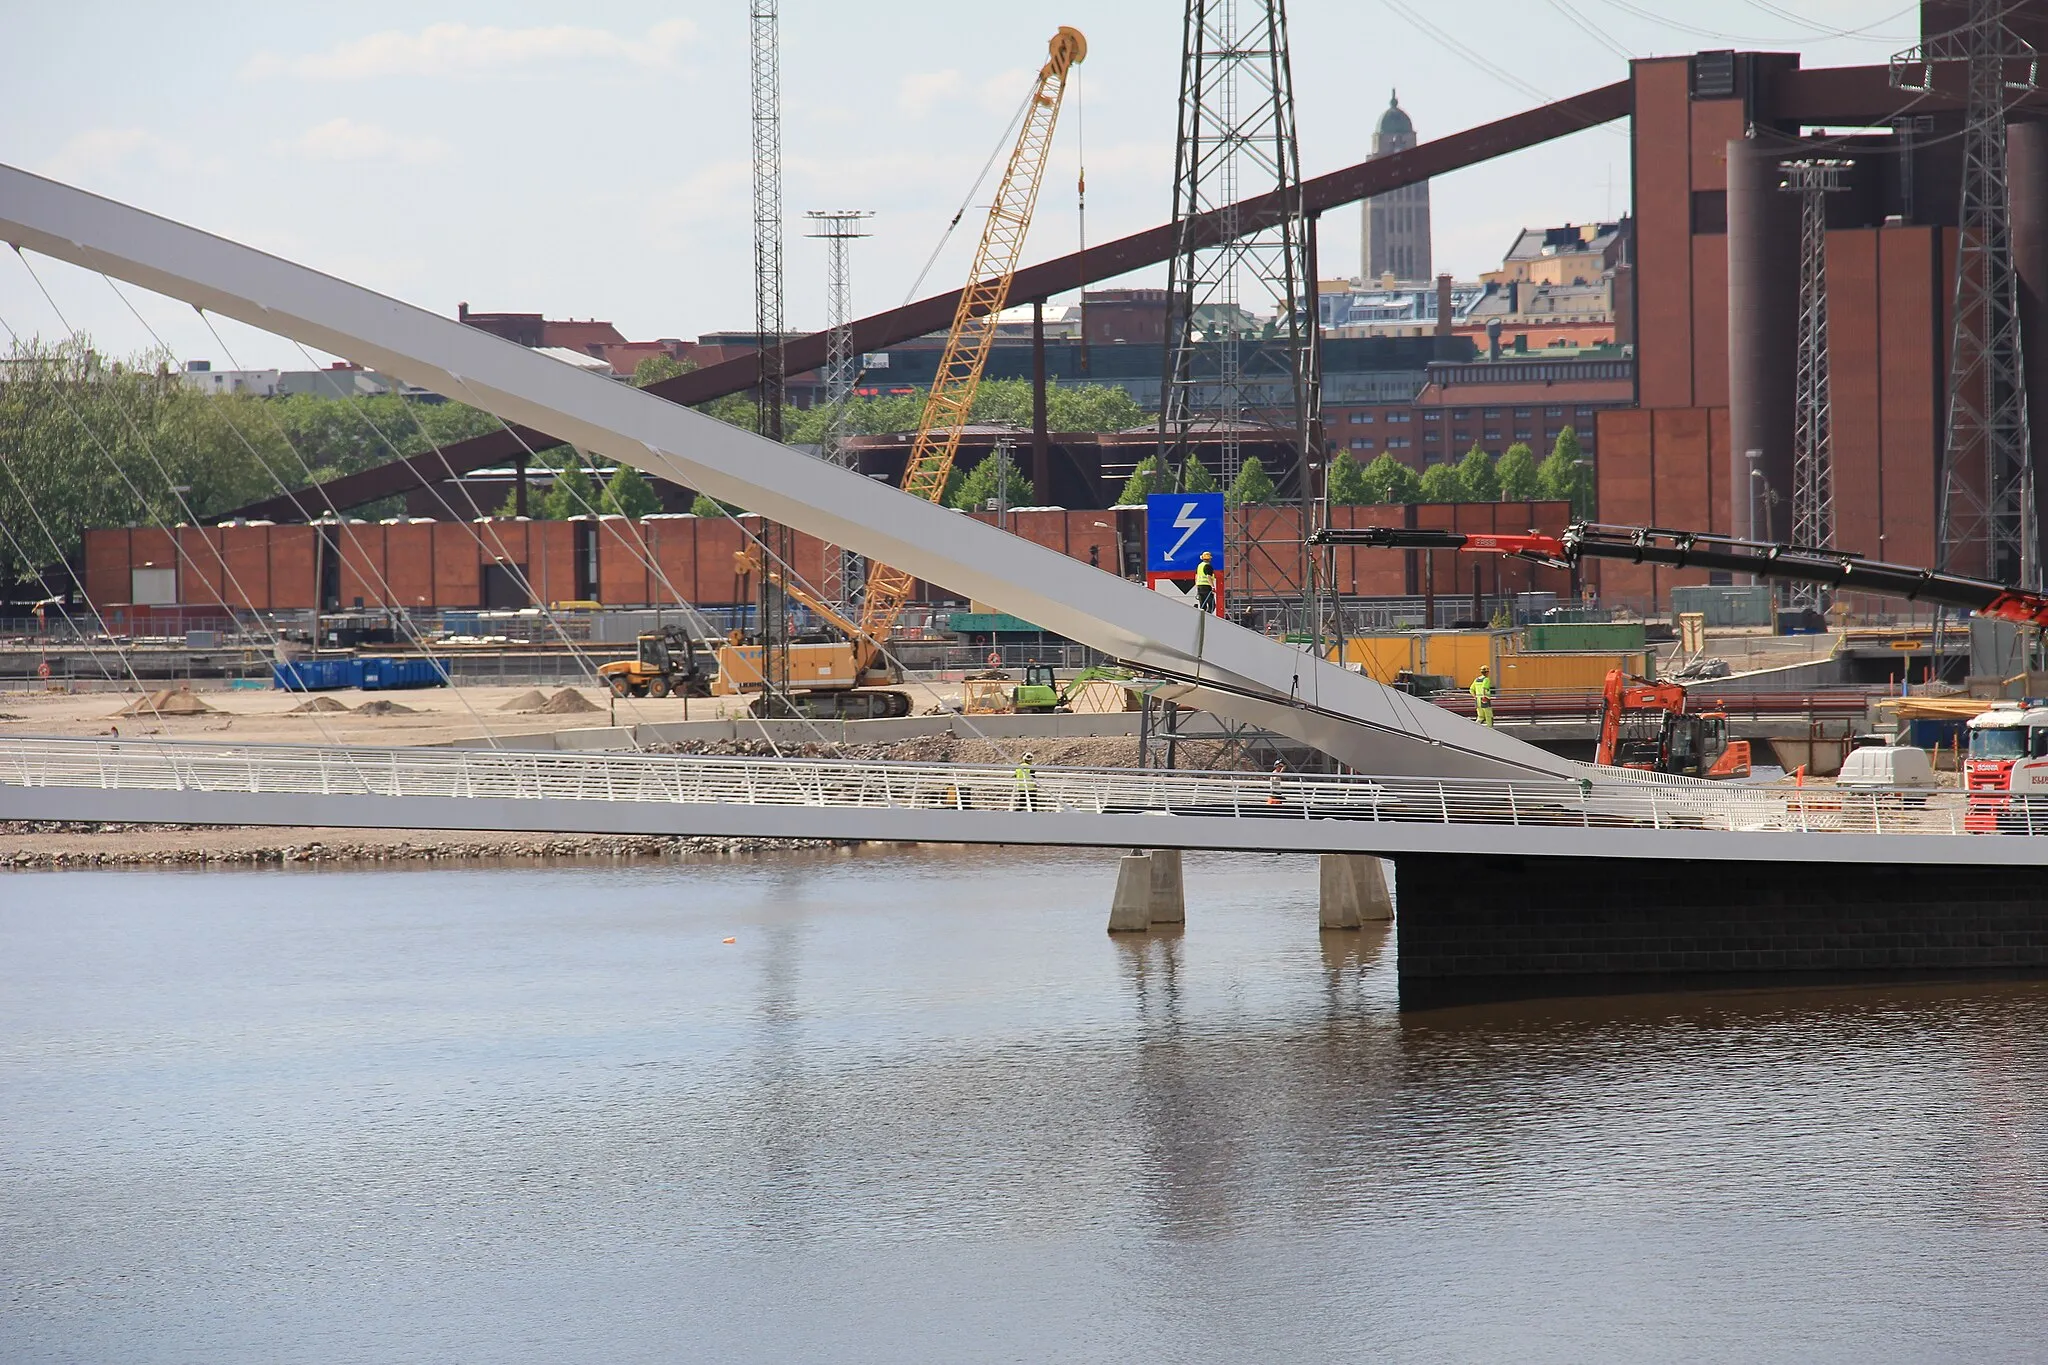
x=849, y=677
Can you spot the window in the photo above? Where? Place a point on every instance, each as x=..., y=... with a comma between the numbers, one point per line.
x=1585, y=412
x=1493, y=436
x=1397, y=443
x=1361, y=417
x=1361, y=445
x=1553, y=412
x=1522, y=412
x=1463, y=415
x=1492, y=413
x=1432, y=416
x=1525, y=435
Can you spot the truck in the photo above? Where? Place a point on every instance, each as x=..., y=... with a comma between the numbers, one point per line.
x=665, y=663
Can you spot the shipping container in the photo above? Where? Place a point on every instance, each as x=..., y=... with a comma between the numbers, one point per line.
x=1733, y=605
x=1583, y=638
x=1569, y=672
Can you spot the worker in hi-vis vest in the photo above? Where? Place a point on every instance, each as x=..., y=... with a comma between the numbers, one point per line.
x=1482, y=695
x=1205, y=582
x=1026, y=797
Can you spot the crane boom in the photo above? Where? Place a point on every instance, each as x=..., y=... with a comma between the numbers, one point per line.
x=1702, y=550
x=973, y=332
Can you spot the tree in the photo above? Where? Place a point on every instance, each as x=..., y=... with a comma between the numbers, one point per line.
x=572, y=494
x=1566, y=476
x=1475, y=471
x=1251, y=487
x=656, y=368
x=702, y=506
x=1345, y=481
x=1149, y=477
x=627, y=493
x=973, y=492
x=1387, y=480
x=1441, y=483
x=1196, y=478
x=1517, y=474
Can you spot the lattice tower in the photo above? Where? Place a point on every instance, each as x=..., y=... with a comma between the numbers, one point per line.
x=1813, y=488
x=1228, y=370
x=770, y=383
x=839, y=229
x=1987, y=523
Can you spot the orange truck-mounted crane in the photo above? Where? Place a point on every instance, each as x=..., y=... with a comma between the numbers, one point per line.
x=1698, y=743
x=851, y=677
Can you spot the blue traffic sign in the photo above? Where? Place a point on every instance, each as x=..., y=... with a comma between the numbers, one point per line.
x=1178, y=527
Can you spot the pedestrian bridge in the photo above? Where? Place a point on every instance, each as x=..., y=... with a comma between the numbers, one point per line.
x=471, y=789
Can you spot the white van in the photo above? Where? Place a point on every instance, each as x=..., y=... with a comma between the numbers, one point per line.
x=1884, y=767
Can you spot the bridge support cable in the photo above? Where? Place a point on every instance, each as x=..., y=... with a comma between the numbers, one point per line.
x=99, y=444
x=533, y=391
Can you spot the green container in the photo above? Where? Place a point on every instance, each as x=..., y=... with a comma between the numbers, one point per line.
x=1583, y=637
x=989, y=623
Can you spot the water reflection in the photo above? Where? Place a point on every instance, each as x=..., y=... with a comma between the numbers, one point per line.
x=924, y=1107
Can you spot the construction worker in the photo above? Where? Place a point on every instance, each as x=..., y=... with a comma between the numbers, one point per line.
x=1027, y=787
x=1482, y=695
x=1205, y=582
x=1277, y=786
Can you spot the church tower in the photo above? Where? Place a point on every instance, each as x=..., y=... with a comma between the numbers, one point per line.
x=1395, y=240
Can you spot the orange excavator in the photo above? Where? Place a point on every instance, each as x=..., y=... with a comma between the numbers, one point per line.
x=1644, y=724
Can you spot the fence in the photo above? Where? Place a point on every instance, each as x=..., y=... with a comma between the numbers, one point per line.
x=1620, y=800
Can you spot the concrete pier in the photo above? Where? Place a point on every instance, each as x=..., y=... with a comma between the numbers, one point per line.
x=1130, y=908
x=1354, y=891
x=1149, y=891
x=1169, y=895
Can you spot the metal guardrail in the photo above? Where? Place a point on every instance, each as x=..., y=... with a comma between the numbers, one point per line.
x=1619, y=801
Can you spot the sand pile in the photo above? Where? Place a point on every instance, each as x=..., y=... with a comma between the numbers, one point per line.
x=568, y=702
x=178, y=702
x=532, y=699
x=385, y=708
x=318, y=704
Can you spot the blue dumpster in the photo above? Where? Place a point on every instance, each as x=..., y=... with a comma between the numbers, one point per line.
x=315, y=675
x=388, y=675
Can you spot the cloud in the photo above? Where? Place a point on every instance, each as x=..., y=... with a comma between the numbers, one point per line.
x=343, y=139
x=918, y=92
x=100, y=150
x=448, y=50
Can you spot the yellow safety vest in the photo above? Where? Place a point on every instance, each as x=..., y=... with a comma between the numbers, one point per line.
x=1205, y=575
x=1025, y=781
x=1482, y=691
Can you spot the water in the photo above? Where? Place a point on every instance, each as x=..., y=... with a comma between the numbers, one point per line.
x=924, y=1109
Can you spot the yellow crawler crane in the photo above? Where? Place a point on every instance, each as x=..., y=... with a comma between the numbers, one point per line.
x=850, y=678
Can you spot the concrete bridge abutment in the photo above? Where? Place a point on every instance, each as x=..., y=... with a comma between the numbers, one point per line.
x=1497, y=926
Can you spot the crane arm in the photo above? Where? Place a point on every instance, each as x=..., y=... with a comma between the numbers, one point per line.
x=1703, y=550
x=973, y=332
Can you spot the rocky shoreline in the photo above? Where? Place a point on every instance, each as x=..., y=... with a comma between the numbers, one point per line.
x=45, y=845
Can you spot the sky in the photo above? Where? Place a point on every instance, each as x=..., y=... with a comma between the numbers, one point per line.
x=593, y=160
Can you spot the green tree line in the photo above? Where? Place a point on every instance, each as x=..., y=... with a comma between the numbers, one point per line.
x=89, y=441
x=1564, y=476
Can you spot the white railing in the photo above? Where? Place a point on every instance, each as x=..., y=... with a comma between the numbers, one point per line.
x=478, y=773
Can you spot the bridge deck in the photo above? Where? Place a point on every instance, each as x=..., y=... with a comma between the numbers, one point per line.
x=207, y=783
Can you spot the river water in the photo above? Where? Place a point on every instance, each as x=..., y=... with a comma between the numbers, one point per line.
x=925, y=1109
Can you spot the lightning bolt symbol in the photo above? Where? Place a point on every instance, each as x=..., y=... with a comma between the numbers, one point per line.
x=1187, y=523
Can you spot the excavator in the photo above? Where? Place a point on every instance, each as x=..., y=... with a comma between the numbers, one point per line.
x=850, y=677
x=1644, y=724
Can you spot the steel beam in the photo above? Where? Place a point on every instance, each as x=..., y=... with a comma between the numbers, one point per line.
x=1362, y=724
x=1151, y=247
